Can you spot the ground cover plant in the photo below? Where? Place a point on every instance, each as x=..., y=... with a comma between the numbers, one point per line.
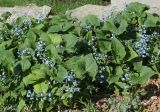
x=51, y=64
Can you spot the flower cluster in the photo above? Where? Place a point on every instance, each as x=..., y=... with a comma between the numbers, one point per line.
x=27, y=52
x=49, y=61
x=40, y=18
x=27, y=22
x=40, y=49
x=3, y=76
x=41, y=54
x=101, y=74
x=70, y=85
x=100, y=57
x=142, y=47
x=92, y=45
x=30, y=95
x=87, y=27
x=43, y=96
x=17, y=31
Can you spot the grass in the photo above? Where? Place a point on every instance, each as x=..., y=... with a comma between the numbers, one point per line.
x=58, y=6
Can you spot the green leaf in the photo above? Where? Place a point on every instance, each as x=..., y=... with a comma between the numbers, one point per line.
x=105, y=46
x=55, y=38
x=110, y=26
x=132, y=54
x=151, y=20
x=67, y=26
x=54, y=53
x=115, y=77
x=118, y=49
x=39, y=72
x=122, y=28
x=70, y=42
x=82, y=65
x=39, y=26
x=41, y=87
x=137, y=65
x=137, y=7
x=30, y=40
x=6, y=44
x=78, y=65
x=41, y=104
x=55, y=28
x=62, y=72
x=7, y=59
x=91, y=66
x=25, y=64
x=21, y=105
x=144, y=75
x=46, y=38
x=91, y=20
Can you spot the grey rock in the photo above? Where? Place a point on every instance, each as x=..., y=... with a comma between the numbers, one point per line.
x=100, y=11
x=153, y=4
x=116, y=6
x=30, y=10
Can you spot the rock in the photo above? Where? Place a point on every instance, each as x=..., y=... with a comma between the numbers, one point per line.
x=120, y=4
x=30, y=10
x=100, y=11
x=151, y=3
x=116, y=6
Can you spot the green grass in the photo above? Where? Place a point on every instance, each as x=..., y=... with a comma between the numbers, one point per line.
x=58, y=6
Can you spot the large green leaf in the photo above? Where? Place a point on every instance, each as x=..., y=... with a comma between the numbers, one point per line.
x=70, y=42
x=54, y=52
x=62, y=72
x=105, y=46
x=67, y=26
x=25, y=64
x=91, y=66
x=7, y=59
x=6, y=44
x=38, y=72
x=118, y=49
x=30, y=40
x=137, y=7
x=21, y=105
x=151, y=20
x=110, y=26
x=137, y=65
x=55, y=38
x=41, y=87
x=115, y=77
x=91, y=20
x=78, y=65
x=82, y=65
x=144, y=75
x=45, y=38
x=132, y=54
x=55, y=28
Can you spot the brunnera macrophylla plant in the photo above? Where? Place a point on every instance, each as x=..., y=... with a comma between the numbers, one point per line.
x=49, y=63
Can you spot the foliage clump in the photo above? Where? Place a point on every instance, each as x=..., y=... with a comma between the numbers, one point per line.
x=47, y=64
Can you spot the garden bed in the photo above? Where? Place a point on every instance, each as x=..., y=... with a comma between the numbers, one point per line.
x=59, y=63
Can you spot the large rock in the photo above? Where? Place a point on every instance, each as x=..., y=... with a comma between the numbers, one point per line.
x=151, y=3
x=30, y=10
x=115, y=6
x=120, y=4
x=100, y=11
